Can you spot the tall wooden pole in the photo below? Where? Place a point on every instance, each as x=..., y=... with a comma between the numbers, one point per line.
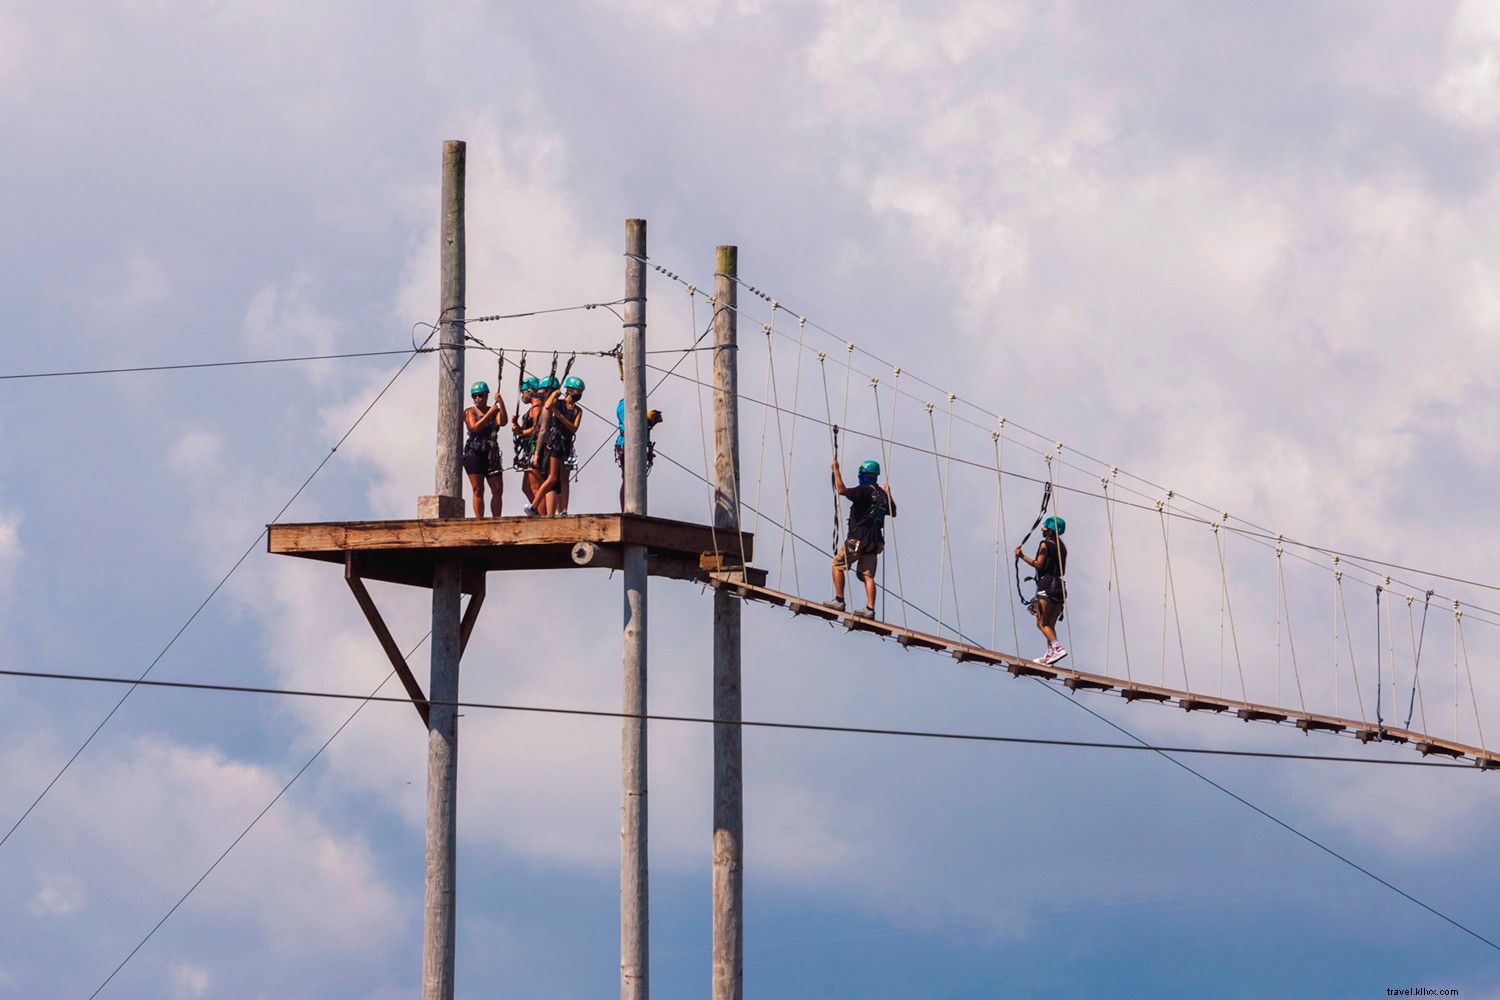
x=442, y=730
x=635, y=917
x=729, y=817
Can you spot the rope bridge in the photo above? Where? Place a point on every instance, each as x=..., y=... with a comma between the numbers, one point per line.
x=1220, y=608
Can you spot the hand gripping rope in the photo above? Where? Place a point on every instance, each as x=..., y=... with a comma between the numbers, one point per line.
x=1042, y=513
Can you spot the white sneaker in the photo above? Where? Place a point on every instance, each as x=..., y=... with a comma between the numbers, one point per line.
x=1053, y=654
x=529, y=510
x=836, y=604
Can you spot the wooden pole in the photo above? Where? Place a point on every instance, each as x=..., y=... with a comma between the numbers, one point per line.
x=438, y=923
x=729, y=817
x=635, y=917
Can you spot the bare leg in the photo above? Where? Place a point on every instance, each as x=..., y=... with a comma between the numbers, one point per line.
x=476, y=485
x=870, y=590
x=496, y=487
x=838, y=582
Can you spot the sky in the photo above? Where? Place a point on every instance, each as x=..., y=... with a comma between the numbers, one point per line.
x=1244, y=252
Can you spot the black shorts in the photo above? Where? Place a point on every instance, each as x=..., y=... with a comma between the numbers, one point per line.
x=483, y=462
x=1050, y=588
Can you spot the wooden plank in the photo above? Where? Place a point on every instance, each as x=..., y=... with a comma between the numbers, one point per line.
x=1079, y=682
x=1193, y=703
x=1260, y=715
x=1326, y=725
x=387, y=643
x=1143, y=694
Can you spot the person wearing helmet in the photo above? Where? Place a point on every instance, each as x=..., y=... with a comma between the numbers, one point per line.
x=482, y=448
x=523, y=427
x=653, y=417
x=561, y=415
x=869, y=505
x=1050, y=563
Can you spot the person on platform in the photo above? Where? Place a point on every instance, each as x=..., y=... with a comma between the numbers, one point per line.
x=560, y=417
x=869, y=505
x=1050, y=563
x=523, y=428
x=653, y=417
x=482, y=459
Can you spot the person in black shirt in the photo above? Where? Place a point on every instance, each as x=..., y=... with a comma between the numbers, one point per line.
x=1050, y=563
x=869, y=505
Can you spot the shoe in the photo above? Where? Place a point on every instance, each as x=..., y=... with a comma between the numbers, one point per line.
x=1058, y=653
x=1051, y=656
x=529, y=510
x=865, y=613
x=836, y=604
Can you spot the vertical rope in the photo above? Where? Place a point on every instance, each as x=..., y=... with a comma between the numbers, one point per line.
x=1343, y=609
x=1338, y=576
x=1234, y=635
x=1278, y=621
x=792, y=447
x=1219, y=551
x=943, y=502
x=947, y=485
x=895, y=538
x=1473, y=698
x=1417, y=642
x=1390, y=637
x=848, y=369
x=1456, y=614
x=708, y=471
x=834, y=428
x=1062, y=569
x=1169, y=585
x=1114, y=565
x=765, y=417
x=781, y=449
x=885, y=456
x=1015, y=628
x=1291, y=640
x=1379, y=591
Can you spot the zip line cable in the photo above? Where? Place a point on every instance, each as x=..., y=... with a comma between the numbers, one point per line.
x=217, y=364
x=707, y=720
x=217, y=587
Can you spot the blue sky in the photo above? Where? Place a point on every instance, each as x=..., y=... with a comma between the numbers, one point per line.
x=1245, y=251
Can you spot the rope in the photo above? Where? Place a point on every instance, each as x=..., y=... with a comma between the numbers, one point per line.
x=1464, y=647
x=886, y=458
x=791, y=458
x=708, y=471
x=1234, y=636
x=895, y=538
x=828, y=408
x=781, y=450
x=1284, y=608
x=943, y=549
x=999, y=437
x=1379, y=722
x=1062, y=569
x=1416, y=658
x=1341, y=607
x=1113, y=583
x=947, y=485
x=1169, y=586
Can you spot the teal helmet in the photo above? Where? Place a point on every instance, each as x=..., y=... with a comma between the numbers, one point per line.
x=548, y=384
x=479, y=389
x=573, y=382
x=1056, y=524
x=529, y=385
x=869, y=467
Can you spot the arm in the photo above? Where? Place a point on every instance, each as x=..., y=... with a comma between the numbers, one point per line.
x=571, y=425
x=838, y=481
x=472, y=419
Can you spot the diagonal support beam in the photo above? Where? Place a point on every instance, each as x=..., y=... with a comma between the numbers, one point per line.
x=471, y=615
x=392, y=651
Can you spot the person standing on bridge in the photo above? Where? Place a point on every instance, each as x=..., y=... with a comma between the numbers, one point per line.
x=869, y=505
x=1050, y=563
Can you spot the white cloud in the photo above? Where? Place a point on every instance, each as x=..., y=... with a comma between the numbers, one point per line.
x=1469, y=91
x=189, y=982
x=59, y=896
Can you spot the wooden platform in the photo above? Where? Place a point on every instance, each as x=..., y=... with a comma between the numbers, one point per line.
x=406, y=551
x=1131, y=691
